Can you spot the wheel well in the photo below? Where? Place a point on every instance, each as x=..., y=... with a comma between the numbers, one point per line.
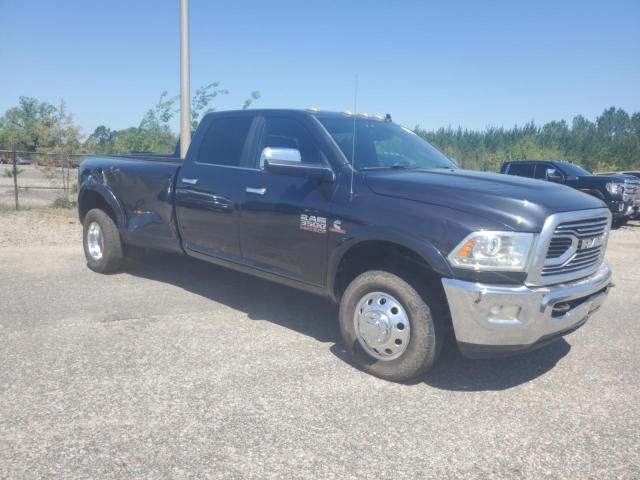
x=371, y=255
x=90, y=200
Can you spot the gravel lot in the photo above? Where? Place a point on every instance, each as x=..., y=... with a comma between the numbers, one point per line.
x=178, y=369
x=38, y=186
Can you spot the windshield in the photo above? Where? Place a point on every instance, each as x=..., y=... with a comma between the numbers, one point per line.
x=573, y=170
x=382, y=145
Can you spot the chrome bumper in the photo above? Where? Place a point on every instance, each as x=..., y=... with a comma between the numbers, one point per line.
x=505, y=318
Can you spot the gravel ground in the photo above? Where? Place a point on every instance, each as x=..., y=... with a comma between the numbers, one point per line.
x=178, y=369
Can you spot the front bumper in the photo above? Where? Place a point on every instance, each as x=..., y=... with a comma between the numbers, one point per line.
x=490, y=320
x=621, y=208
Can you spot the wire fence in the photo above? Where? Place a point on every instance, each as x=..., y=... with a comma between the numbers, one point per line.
x=29, y=179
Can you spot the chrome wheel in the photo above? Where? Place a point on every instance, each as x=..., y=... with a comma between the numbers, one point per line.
x=95, y=241
x=382, y=326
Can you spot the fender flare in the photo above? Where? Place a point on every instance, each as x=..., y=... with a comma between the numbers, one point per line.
x=109, y=197
x=420, y=246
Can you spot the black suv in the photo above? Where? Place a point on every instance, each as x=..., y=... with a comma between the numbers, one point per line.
x=611, y=189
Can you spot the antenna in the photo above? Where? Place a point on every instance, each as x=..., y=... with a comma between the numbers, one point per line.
x=353, y=138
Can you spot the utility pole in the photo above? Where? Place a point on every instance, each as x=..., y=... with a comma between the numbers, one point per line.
x=185, y=96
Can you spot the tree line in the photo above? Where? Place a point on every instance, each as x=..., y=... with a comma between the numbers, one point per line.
x=37, y=126
x=611, y=142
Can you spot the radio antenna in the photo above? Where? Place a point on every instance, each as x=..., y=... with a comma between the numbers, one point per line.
x=353, y=138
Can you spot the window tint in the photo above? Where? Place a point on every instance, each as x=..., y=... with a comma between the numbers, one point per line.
x=521, y=169
x=224, y=141
x=281, y=132
x=541, y=170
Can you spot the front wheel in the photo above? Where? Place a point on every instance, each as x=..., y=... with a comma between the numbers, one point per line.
x=388, y=327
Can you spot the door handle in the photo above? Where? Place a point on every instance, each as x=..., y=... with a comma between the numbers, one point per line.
x=190, y=181
x=257, y=191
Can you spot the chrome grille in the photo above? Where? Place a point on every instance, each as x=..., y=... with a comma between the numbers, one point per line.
x=570, y=249
x=632, y=190
x=559, y=246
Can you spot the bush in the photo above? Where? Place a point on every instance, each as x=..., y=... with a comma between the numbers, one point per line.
x=62, y=202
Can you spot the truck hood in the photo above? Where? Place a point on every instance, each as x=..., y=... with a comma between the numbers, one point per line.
x=598, y=180
x=518, y=203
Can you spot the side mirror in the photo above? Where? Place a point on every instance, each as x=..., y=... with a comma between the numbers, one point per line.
x=553, y=175
x=285, y=154
x=320, y=172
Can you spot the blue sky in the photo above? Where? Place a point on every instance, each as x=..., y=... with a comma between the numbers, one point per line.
x=434, y=64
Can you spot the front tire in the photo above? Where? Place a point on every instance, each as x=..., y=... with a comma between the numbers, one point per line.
x=103, y=247
x=388, y=327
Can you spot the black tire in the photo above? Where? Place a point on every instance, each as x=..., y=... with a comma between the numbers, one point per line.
x=112, y=258
x=427, y=334
x=620, y=222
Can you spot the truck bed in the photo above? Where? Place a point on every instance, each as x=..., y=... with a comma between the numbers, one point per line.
x=141, y=187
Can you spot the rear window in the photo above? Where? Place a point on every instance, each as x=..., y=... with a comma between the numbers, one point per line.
x=224, y=141
x=521, y=169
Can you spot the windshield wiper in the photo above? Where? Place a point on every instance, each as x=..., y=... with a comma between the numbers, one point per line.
x=396, y=166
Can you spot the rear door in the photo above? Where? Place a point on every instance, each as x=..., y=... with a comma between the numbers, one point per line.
x=284, y=220
x=209, y=186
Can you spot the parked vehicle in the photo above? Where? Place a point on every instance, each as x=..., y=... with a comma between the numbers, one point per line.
x=22, y=161
x=415, y=251
x=610, y=189
x=631, y=188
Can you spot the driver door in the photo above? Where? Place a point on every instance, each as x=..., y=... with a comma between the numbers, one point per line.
x=283, y=219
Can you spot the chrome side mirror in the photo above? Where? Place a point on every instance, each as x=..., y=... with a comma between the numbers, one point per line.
x=553, y=175
x=280, y=154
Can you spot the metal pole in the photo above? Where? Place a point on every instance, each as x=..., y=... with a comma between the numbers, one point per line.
x=185, y=96
x=15, y=177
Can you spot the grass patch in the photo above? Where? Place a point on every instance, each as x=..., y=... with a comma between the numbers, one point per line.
x=62, y=202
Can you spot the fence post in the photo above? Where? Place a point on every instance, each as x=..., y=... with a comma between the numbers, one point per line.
x=15, y=177
x=62, y=171
x=67, y=186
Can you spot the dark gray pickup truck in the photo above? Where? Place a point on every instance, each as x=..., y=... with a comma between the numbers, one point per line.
x=415, y=251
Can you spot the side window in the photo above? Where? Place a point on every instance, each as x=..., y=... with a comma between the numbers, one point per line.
x=282, y=132
x=224, y=141
x=521, y=169
x=541, y=171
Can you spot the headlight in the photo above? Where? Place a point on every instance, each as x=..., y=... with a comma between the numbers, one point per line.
x=614, y=188
x=505, y=251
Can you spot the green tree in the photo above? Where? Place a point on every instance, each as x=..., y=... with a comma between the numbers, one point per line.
x=29, y=126
x=101, y=140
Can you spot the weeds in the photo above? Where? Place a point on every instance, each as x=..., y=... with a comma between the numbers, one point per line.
x=62, y=202
x=9, y=172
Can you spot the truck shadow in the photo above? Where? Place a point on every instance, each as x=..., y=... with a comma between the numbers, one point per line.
x=261, y=300
x=457, y=373
x=317, y=318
